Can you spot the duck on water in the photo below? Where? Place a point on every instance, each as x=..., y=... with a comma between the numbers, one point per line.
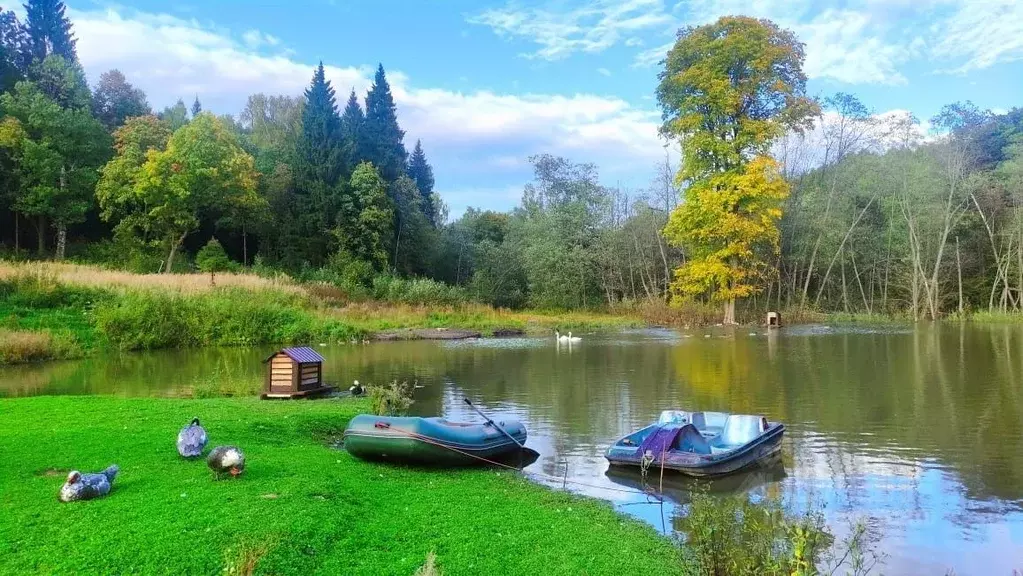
x=700, y=443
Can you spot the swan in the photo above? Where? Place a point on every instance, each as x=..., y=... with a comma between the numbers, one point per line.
x=560, y=338
x=574, y=338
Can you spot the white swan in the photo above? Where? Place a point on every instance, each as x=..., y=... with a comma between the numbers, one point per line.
x=574, y=338
x=560, y=338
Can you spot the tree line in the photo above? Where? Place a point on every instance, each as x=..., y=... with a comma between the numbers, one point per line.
x=292, y=179
x=780, y=200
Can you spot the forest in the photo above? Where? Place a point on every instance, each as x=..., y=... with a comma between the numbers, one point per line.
x=873, y=213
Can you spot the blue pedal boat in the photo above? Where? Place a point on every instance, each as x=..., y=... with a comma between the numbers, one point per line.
x=699, y=443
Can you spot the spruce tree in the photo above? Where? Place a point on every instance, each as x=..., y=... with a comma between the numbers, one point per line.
x=421, y=173
x=49, y=30
x=321, y=131
x=352, y=121
x=383, y=136
x=196, y=107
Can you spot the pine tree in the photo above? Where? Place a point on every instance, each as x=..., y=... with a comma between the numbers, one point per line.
x=421, y=173
x=321, y=131
x=196, y=107
x=384, y=146
x=352, y=122
x=49, y=30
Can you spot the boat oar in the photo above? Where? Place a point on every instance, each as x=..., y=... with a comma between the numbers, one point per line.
x=494, y=424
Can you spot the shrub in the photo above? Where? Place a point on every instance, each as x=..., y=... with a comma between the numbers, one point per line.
x=392, y=400
x=146, y=320
x=417, y=291
x=736, y=536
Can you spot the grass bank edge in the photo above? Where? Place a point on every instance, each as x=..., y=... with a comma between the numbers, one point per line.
x=297, y=494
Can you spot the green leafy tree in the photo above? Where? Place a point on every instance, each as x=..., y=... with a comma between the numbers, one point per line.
x=384, y=146
x=49, y=30
x=273, y=127
x=202, y=171
x=176, y=116
x=421, y=173
x=56, y=159
x=366, y=217
x=63, y=81
x=729, y=90
x=415, y=238
x=115, y=100
x=212, y=258
x=134, y=142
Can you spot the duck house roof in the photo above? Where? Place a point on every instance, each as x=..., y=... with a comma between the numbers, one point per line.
x=302, y=355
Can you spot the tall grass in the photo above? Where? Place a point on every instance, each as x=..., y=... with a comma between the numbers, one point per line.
x=92, y=276
x=225, y=317
x=18, y=346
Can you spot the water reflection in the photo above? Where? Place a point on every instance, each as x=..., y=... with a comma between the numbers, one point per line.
x=921, y=429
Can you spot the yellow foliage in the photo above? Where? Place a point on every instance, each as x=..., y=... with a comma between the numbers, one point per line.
x=727, y=221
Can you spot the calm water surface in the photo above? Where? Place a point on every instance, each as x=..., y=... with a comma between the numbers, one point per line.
x=919, y=431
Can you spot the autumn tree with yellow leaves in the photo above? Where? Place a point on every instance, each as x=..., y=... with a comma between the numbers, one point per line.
x=728, y=91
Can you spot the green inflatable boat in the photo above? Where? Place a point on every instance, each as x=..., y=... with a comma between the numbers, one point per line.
x=431, y=441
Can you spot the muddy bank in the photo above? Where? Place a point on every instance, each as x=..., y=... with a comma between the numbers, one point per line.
x=442, y=334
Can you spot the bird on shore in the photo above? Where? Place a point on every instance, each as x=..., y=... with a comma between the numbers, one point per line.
x=226, y=460
x=356, y=389
x=192, y=440
x=87, y=486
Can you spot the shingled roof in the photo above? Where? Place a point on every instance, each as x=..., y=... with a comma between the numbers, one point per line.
x=302, y=355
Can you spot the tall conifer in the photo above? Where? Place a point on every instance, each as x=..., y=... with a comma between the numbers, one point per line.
x=383, y=136
x=321, y=131
x=49, y=30
x=421, y=173
x=352, y=121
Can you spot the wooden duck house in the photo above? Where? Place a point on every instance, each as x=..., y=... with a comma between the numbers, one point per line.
x=294, y=373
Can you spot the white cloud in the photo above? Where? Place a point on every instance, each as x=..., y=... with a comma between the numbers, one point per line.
x=603, y=71
x=868, y=41
x=255, y=39
x=170, y=57
x=981, y=34
x=652, y=56
x=592, y=27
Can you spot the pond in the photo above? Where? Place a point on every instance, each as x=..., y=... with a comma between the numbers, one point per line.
x=918, y=430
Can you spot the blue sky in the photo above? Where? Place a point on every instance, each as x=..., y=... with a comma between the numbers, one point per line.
x=486, y=84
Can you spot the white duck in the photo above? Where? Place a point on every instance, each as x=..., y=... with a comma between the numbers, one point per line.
x=574, y=338
x=192, y=440
x=87, y=486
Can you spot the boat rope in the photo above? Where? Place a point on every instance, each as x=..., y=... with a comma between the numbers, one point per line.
x=548, y=477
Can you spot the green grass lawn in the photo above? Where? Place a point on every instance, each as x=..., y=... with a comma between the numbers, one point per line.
x=301, y=507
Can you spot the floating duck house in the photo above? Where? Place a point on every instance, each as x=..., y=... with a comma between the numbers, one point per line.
x=294, y=373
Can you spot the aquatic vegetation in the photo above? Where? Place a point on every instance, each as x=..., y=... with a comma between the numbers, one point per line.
x=301, y=507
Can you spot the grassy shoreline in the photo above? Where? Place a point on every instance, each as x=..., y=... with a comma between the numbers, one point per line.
x=51, y=311
x=60, y=311
x=300, y=508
